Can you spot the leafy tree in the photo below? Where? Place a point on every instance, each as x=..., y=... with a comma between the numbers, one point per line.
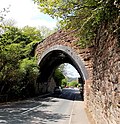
x=73, y=83
x=33, y=33
x=84, y=16
x=32, y=36
x=58, y=77
x=18, y=67
x=64, y=82
x=45, y=32
x=62, y=68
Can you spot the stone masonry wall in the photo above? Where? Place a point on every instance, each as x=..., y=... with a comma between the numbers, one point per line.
x=104, y=102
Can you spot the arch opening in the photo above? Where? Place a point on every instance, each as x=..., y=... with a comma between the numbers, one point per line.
x=68, y=76
x=53, y=57
x=69, y=71
x=52, y=61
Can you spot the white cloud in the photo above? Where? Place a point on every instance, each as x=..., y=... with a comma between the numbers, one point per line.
x=25, y=12
x=71, y=71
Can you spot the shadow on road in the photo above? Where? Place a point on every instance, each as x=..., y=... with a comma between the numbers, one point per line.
x=37, y=110
x=31, y=111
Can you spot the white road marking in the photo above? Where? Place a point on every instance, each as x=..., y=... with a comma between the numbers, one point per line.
x=25, y=112
x=71, y=113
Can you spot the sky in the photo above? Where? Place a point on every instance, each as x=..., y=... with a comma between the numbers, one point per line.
x=25, y=12
x=71, y=71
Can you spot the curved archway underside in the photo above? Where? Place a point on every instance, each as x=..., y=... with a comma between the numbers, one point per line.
x=52, y=57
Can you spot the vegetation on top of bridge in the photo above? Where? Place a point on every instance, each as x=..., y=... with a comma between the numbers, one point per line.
x=85, y=16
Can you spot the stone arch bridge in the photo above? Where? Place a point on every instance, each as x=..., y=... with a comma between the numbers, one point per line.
x=99, y=68
x=62, y=47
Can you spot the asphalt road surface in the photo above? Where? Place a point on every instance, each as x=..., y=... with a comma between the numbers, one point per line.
x=49, y=110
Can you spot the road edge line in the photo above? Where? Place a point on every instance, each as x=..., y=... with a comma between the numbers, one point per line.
x=71, y=113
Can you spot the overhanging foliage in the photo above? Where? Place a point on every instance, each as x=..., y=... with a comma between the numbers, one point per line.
x=85, y=16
